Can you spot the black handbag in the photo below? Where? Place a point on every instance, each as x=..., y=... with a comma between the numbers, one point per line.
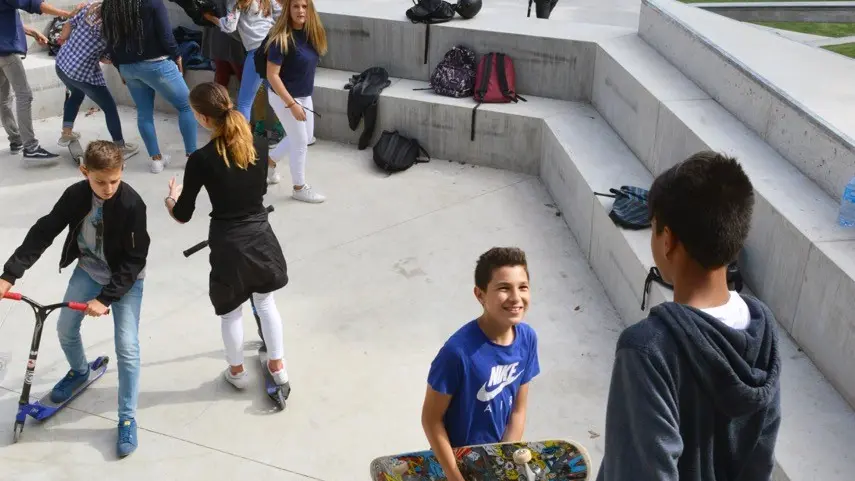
x=394, y=152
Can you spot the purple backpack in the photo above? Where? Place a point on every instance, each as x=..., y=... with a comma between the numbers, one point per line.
x=454, y=76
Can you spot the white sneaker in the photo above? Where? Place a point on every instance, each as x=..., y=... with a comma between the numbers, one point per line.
x=240, y=381
x=273, y=177
x=312, y=140
x=280, y=377
x=306, y=194
x=157, y=166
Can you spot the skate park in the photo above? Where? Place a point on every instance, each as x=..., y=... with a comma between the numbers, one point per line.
x=617, y=92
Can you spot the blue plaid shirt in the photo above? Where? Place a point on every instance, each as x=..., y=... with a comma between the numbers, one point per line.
x=79, y=57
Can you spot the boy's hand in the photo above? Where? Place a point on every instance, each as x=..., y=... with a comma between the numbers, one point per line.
x=94, y=308
x=40, y=38
x=4, y=288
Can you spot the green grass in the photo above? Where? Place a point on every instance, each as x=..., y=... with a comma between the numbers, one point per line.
x=847, y=49
x=824, y=29
x=733, y=1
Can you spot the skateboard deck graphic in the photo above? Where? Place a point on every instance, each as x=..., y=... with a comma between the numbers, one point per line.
x=553, y=460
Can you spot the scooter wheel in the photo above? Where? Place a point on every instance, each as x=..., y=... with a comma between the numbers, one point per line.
x=17, y=431
x=281, y=397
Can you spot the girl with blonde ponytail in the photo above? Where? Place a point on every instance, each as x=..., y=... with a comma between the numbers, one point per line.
x=246, y=258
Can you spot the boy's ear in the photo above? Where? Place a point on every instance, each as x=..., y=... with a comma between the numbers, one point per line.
x=479, y=294
x=83, y=170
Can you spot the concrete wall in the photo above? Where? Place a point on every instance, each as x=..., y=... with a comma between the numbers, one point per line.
x=751, y=73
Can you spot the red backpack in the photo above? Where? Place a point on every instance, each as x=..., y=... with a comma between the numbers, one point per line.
x=495, y=82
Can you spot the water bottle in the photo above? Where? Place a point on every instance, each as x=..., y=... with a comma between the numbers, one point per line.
x=847, y=205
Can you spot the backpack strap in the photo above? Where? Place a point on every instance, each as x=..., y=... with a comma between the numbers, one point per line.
x=529, y=8
x=423, y=151
x=503, y=79
x=427, y=41
x=482, y=89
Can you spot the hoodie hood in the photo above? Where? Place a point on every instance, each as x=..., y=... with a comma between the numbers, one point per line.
x=738, y=369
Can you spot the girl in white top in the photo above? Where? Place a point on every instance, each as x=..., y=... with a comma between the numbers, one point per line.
x=252, y=19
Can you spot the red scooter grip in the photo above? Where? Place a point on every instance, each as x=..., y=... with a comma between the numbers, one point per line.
x=13, y=296
x=77, y=306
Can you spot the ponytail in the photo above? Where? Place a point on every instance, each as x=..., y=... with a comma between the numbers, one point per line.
x=233, y=136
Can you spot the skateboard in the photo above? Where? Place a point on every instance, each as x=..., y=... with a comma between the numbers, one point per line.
x=76, y=151
x=553, y=460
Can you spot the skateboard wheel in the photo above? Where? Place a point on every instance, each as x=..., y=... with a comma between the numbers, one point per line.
x=522, y=456
x=401, y=468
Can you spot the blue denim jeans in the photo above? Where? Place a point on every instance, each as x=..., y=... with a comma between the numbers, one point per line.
x=145, y=79
x=249, y=83
x=100, y=95
x=126, y=322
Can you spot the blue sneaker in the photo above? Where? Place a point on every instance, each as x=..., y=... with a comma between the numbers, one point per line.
x=127, y=441
x=65, y=388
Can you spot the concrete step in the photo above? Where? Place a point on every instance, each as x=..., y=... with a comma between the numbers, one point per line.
x=794, y=220
x=797, y=98
x=583, y=155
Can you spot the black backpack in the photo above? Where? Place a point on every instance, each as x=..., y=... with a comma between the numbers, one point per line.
x=430, y=11
x=454, y=76
x=394, y=152
x=630, y=209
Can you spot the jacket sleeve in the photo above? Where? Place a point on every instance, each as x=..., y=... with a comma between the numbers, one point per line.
x=40, y=236
x=29, y=6
x=136, y=243
x=229, y=22
x=642, y=437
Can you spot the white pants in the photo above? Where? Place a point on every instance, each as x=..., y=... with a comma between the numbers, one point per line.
x=296, y=142
x=271, y=327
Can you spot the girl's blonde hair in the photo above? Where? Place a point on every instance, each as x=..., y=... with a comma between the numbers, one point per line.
x=231, y=135
x=282, y=33
x=264, y=5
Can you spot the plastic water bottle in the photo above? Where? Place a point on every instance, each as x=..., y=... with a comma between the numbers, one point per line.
x=847, y=205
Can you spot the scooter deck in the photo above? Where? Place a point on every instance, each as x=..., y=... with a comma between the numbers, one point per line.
x=76, y=151
x=45, y=408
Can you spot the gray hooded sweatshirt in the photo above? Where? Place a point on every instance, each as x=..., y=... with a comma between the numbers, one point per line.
x=692, y=399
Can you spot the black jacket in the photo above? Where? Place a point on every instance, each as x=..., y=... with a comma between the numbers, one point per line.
x=692, y=399
x=126, y=240
x=365, y=89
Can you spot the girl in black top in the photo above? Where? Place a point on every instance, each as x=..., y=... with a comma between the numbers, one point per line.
x=246, y=258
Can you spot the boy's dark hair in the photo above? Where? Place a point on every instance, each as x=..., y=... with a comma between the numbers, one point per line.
x=103, y=155
x=496, y=258
x=707, y=201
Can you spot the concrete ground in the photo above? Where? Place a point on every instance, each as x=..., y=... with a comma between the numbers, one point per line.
x=381, y=275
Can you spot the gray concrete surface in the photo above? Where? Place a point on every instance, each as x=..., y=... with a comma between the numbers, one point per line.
x=381, y=275
x=827, y=12
x=801, y=112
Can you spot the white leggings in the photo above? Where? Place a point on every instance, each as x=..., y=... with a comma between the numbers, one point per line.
x=296, y=143
x=271, y=327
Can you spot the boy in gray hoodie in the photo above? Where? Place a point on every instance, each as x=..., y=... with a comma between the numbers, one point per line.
x=695, y=389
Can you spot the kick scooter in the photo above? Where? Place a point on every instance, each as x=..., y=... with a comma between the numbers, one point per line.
x=44, y=407
x=277, y=393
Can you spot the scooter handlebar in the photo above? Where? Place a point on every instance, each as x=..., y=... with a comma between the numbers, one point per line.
x=13, y=296
x=77, y=306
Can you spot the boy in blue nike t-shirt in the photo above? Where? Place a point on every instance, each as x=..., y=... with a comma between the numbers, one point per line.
x=478, y=383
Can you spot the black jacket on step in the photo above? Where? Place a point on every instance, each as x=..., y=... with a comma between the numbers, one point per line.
x=362, y=101
x=126, y=239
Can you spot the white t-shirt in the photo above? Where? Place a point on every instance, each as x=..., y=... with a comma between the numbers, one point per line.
x=734, y=313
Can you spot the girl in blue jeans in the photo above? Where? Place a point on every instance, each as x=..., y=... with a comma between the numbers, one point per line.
x=77, y=65
x=141, y=45
x=107, y=235
x=252, y=19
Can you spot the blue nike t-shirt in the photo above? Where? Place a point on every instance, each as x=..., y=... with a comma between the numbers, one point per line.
x=483, y=379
